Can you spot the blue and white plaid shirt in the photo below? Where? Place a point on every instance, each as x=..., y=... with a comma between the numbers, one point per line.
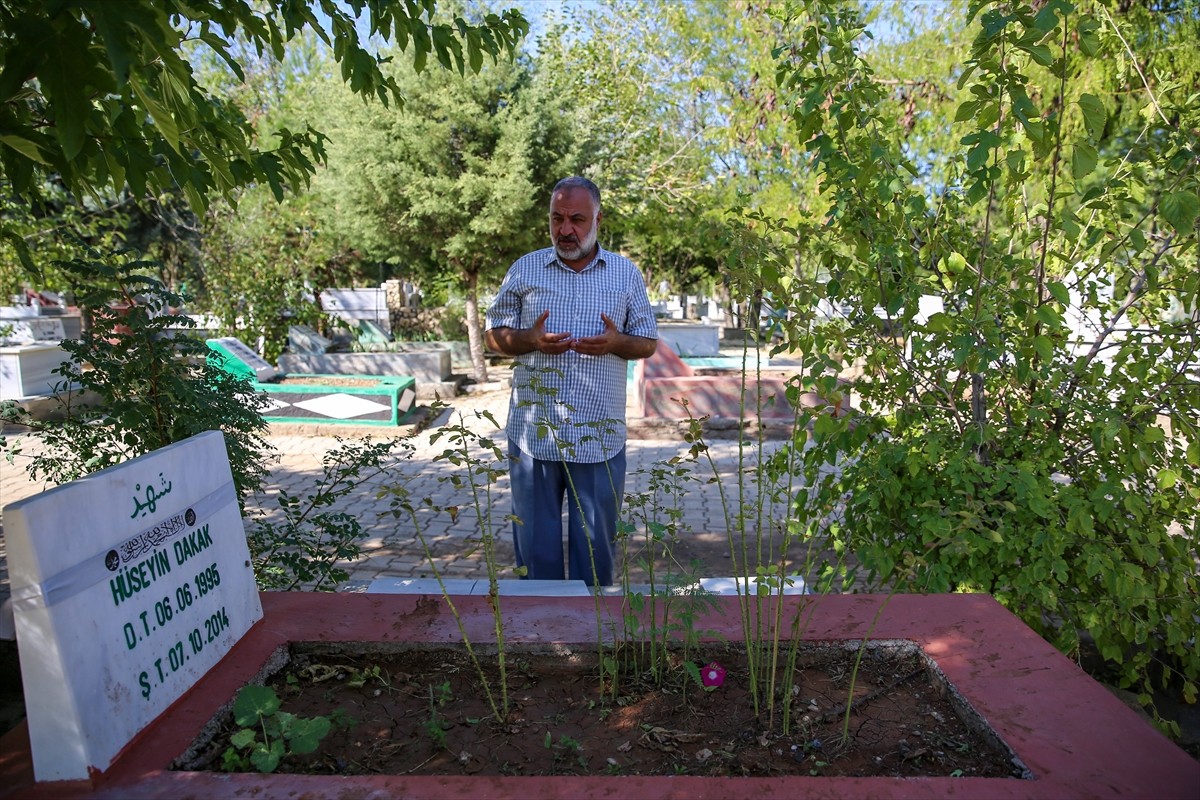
x=571, y=407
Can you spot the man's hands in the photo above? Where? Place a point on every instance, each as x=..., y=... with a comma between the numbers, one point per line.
x=549, y=343
x=519, y=341
x=600, y=345
x=516, y=342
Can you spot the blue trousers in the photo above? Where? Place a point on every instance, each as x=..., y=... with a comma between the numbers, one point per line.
x=593, y=493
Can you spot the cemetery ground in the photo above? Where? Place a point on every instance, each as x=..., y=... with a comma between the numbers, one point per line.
x=389, y=547
x=392, y=551
x=421, y=712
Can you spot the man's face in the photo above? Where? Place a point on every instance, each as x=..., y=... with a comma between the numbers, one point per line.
x=574, y=222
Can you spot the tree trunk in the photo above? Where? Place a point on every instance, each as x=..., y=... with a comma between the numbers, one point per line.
x=474, y=328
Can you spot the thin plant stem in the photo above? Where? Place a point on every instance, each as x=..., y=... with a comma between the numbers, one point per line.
x=462, y=630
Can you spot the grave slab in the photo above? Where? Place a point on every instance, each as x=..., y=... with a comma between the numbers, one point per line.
x=470, y=586
x=429, y=366
x=303, y=339
x=32, y=330
x=27, y=370
x=128, y=585
x=353, y=305
x=663, y=381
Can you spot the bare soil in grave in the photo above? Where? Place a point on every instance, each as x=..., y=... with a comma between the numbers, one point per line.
x=423, y=712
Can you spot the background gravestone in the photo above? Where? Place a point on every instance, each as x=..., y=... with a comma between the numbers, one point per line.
x=128, y=585
x=303, y=339
x=242, y=361
x=31, y=330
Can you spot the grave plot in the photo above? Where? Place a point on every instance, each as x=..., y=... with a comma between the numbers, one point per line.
x=430, y=365
x=712, y=388
x=344, y=399
x=1063, y=735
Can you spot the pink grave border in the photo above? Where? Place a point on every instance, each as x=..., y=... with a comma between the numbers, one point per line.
x=1076, y=738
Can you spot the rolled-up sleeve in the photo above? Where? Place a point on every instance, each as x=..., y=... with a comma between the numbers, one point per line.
x=640, y=321
x=505, y=311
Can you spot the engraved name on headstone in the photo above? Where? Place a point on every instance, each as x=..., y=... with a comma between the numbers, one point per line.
x=128, y=585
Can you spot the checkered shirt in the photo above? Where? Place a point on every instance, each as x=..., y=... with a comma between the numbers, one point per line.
x=571, y=407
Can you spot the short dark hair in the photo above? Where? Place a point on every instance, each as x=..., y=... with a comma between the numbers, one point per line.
x=578, y=182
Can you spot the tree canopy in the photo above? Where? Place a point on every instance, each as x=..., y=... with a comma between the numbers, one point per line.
x=454, y=187
x=99, y=95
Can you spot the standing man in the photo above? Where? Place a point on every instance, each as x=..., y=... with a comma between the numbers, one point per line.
x=572, y=315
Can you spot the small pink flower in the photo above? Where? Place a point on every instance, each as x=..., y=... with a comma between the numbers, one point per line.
x=712, y=675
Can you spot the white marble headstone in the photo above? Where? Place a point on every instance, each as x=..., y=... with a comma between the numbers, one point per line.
x=127, y=586
x=32, y=330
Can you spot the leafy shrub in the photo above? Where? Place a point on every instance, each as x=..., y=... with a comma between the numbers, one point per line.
x=1036, y=436
x=152, y=384
x=151, y=380
x=305, y=548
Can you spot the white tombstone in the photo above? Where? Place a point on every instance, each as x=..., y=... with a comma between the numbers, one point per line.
x=27, y=370
x=927, y=306
x=32, y=330
x=303, y=339
x=691, y=339
x=128, y=585
x=353, y=305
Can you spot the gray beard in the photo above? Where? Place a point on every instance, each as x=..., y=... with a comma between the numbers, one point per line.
x=583, y=251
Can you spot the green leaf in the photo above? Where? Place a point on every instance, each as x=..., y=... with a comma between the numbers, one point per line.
x=1035, y=130
x=1089, y=42
x=25, y=147
x=1167, y=478
x=977, y=157
x=1041, y=54
x=955, y=263
x=474, y=51
x=1180, y=210
x=938, y=323
x=1094, y=115
x=1047, y=19
x=242, y=739
x=117, y=23
x=163, y=120
x=68, y=77
x=1016, y=162
x=253, y=702
x=1048, y=316
x=17, y=242
x=266, y=759
x=306, y=734
x=1059, y=292
x=1083, y=160
x=1044, y=347
x=967, y=110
